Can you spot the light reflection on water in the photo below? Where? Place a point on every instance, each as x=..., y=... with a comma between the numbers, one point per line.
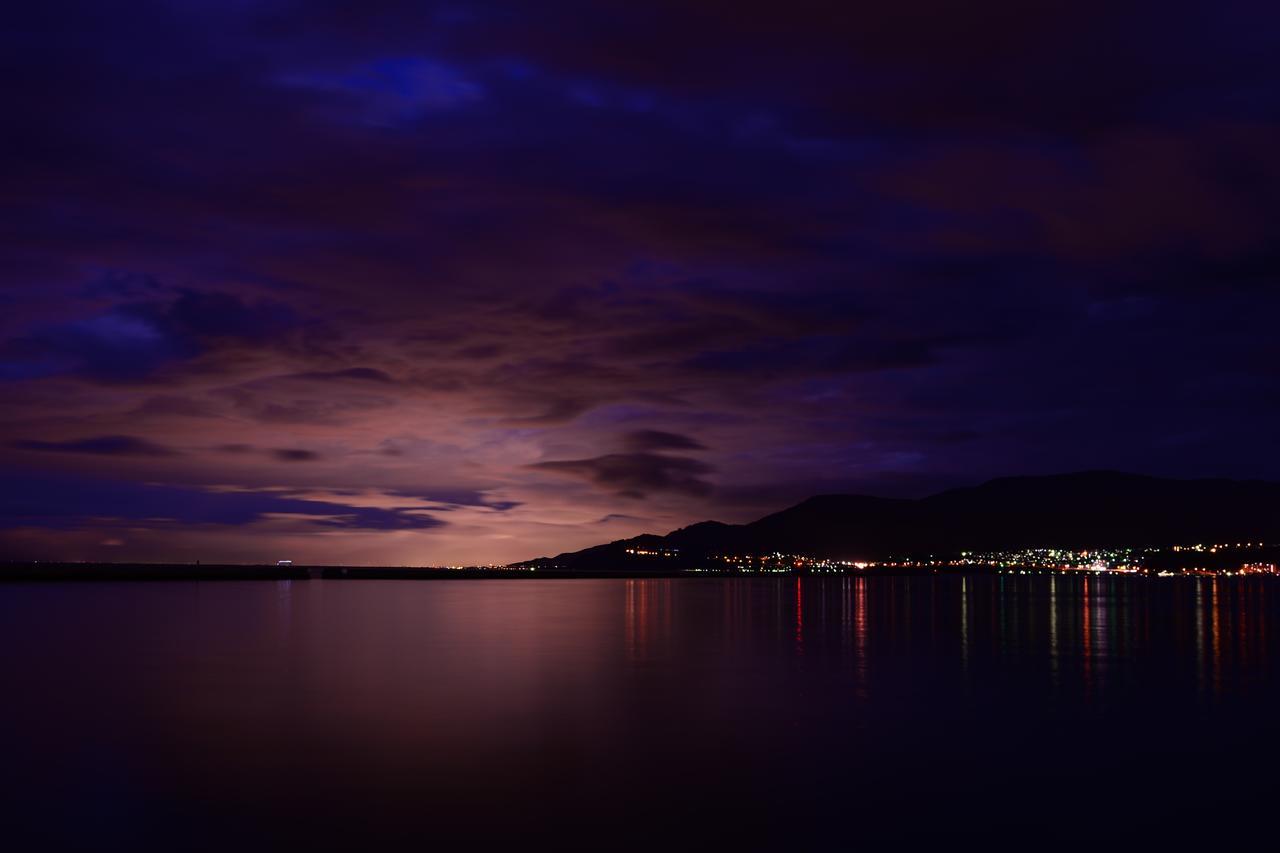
x=303, y=712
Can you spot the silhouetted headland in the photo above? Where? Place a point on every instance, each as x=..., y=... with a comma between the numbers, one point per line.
x=1101, y=509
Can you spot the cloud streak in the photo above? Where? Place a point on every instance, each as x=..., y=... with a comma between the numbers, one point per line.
x=102, y=445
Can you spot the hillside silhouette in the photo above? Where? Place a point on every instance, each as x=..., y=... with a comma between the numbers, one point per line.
x=1088, y=509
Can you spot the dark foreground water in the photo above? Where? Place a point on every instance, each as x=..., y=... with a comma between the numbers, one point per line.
x=620, y=713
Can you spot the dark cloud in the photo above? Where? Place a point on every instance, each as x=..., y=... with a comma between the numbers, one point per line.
x=122, y=284
x=653, y=439
x=102, y=445
x=294, y=454
x=134, y=340
x=452, y=498
x=266, y=407
x=205, y=315
x=637, y=474
x=817, y=355
x=166, y=405
x=556, y=411
x=117, y=346
x=617, y=516
x=68, y=501
x=481, y=351
x=350, y=374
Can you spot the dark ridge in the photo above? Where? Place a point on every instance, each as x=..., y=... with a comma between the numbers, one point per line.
x=1087, y=509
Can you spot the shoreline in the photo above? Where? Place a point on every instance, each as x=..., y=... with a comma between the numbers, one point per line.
x=37, y=572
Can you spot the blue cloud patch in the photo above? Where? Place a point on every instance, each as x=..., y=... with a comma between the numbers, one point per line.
x=101, y=445
x=68, y=502
x=135, y=339
x=391, y=90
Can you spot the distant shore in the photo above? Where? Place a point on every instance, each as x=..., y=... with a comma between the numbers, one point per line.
x=28, y=572
x=57, y=571
x=62, y=571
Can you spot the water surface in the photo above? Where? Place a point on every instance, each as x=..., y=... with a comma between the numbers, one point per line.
x=620, y=713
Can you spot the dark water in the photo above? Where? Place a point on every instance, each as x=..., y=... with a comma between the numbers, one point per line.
x=621, y=713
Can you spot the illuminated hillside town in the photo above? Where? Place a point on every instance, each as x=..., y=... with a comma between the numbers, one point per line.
x=1200, y=559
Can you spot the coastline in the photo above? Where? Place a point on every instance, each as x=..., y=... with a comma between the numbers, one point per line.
x=82, y=572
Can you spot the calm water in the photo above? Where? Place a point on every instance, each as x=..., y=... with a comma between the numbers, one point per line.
x=621, y=713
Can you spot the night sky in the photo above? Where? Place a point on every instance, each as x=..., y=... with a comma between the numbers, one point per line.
x=404, y=283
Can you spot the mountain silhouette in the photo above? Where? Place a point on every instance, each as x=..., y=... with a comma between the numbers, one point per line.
x=1091, y=509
